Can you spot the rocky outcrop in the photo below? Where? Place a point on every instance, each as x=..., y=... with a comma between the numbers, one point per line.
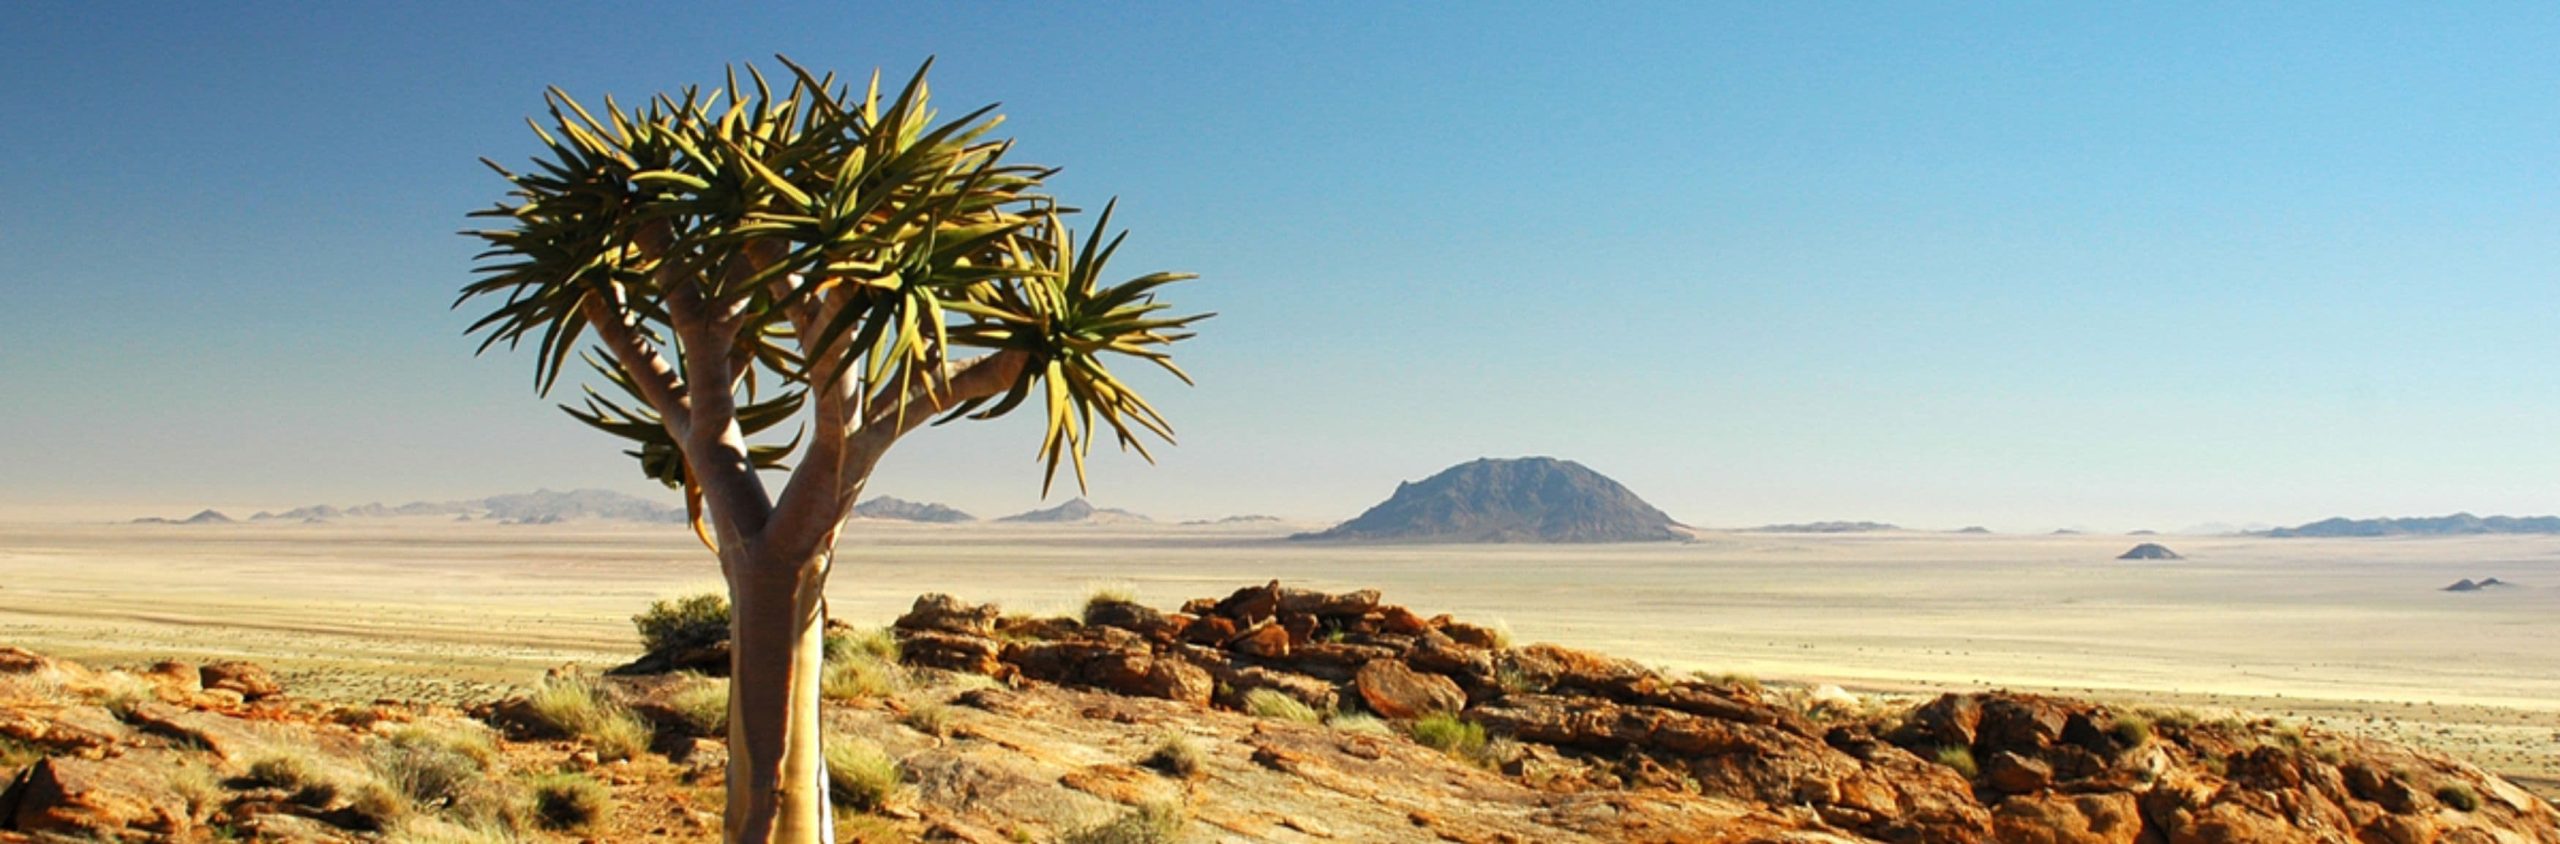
x=1962, y=768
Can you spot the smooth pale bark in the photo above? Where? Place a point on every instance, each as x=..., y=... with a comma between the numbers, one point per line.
x=777, y=769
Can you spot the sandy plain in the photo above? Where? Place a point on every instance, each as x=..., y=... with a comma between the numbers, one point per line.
x=2352, y=635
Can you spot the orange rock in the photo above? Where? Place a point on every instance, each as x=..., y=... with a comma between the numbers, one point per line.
x=1267, y=640
x=1395, y=690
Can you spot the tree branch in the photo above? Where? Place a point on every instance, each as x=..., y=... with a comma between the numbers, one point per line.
x=818, y=500
x=658, y=382
x=715, y=450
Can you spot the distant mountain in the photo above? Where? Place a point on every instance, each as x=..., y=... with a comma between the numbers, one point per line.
x=1529, y=499
x=537, y=507
x=1975, y=529
x=2458, y=524
x=1235, y=520
x=206, y=517
x=1078, y=510
x=1827, y=527
x=2150, y=551
x=2469, y=585
x=900, y=509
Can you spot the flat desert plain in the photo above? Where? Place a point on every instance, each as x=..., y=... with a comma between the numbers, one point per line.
x=2351, y=635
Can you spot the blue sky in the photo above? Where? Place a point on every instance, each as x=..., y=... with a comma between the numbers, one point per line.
x=2006, y=264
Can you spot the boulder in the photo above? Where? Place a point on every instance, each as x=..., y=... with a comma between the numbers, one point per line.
x=951, y=652
x=1393, y=690
x=1267, y=640
x=2068, y=819
x=940, y=612
x=100, y=799
x=226, y=737
x=250, y=679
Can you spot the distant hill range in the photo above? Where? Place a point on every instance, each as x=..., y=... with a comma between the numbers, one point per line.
x=2469, y=585
x=537, y=507
x=885, y=507
x=205, y=517
x=1078, y=510
x=1828, y=527
x=2458, y=524
x=1529, y=499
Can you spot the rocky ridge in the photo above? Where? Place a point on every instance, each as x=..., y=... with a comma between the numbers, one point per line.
x=1010, y=727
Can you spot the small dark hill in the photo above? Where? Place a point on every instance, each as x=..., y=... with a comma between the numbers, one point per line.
x=2458, y=524
x=900, y=509
x=1078, y=510
x=1974, y=529
x=1528, y=499
x=2150, y=551
x=2469, y=585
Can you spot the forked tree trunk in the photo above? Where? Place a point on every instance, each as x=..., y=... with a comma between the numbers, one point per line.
x=777, y=771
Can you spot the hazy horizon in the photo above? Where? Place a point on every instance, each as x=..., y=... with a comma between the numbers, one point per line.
x=2107, y=269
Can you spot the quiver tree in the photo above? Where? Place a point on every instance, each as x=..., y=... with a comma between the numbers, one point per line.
x=734, y=259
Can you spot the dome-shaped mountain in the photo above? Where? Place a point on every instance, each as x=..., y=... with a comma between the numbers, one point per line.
x=1528, y=499
x=2150, y=551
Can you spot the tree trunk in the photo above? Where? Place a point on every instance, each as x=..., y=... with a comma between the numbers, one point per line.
x=777, y=770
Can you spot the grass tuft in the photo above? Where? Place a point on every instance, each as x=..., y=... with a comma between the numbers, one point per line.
x=565, y=801
x=2131, y=730
x=859, y=775
x=1147, y=823
x=861, y=675
x=435, y=767
x=577, y=707
x=879, y=643
x=1360, y=724
x=1960, y=757
x=2458, y=796
x=702, y=706
x=1273, y=703
x=1177, y=755
x=931, y=719
x=1455, y=736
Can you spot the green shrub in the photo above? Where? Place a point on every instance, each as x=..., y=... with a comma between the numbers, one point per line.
x=701, y=706
x=576, y=707
x=859, y=775
x=1177, y=755
x=1273, y=703
x=1452, y=735
x=684, y=622
x=2458, y=796
x=1959, y=757
x=1147, y=823
x=861, y=676
x=566, y=801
